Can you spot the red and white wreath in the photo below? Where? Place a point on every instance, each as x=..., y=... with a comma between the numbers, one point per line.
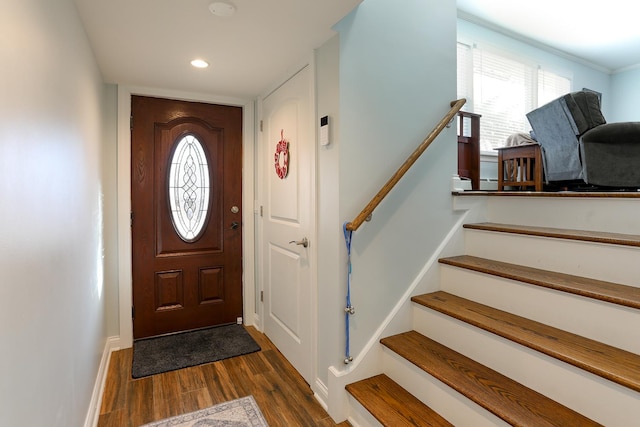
x=282, y=157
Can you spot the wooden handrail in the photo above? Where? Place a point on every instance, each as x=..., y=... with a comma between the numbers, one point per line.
x=368, y=210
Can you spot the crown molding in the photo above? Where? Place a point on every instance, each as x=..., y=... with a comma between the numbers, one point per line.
x=535, y=43
x=627, y=68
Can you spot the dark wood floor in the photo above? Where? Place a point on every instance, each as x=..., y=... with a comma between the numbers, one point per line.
x=283, y=396
x=629, y=194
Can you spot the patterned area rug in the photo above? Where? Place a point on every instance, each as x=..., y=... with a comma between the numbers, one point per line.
x=243, y=412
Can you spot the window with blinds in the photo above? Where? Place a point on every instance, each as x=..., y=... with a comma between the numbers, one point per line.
x=503, y=89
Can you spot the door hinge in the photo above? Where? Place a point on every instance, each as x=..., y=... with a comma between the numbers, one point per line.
x=131, y=219
x=131, y=122
x=260, y=125
x=133, y=312
x=261, y=211
x=261, y=296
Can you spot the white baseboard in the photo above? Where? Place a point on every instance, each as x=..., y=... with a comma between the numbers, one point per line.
x=360, y=417
x=488, y=184
x=321, y=393
x=112, y=344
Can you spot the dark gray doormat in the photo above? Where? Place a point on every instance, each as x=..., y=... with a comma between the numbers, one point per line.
x=182, y=350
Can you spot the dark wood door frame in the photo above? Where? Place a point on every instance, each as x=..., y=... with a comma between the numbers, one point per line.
x=124, y=327
x=194, y=280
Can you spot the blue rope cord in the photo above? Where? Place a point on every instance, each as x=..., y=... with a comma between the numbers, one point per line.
x=349, y=309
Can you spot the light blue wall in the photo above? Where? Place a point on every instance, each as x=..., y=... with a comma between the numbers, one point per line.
x=397, y=78
x=580, y=74
x=625, y=89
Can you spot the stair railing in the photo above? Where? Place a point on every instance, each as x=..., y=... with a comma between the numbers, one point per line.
x=350, y=227
x=368, y=210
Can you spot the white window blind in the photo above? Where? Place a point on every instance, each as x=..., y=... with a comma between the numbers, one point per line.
x=551, y=86
x=503, y=89
x=464, y=74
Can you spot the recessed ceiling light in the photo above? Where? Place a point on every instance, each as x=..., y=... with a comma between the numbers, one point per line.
x=221, y=8
x=199, y=63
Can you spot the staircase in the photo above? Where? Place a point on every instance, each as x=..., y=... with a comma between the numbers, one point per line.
x=533, y=326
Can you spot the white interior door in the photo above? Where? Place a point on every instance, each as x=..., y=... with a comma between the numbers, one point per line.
x=287, y=216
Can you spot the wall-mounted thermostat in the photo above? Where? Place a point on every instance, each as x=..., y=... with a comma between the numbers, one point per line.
x=324, y=130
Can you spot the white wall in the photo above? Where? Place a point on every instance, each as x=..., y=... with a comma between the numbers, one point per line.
x=397, y=78
x=329, y=237
x=110, y=209
x=625, y=89
x=51, y=296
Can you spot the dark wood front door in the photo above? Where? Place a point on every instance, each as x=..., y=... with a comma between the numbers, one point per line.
x=186, y=194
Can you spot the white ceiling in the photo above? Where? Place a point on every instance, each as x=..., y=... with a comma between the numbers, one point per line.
x=151, y=42
x=604, y=33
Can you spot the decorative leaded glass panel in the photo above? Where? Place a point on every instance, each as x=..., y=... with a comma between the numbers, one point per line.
x=189, y=188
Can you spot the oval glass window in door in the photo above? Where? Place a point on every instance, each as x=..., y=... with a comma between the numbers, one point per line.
x=189, y=188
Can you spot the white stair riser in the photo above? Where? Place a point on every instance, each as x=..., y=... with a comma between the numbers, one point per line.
x=599, y=399
x=597, y=214
x=450, y=404
x=359, y=416
x=613, y=263
x=604, y=322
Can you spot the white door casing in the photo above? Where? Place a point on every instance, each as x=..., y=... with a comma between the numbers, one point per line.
x=288, y=216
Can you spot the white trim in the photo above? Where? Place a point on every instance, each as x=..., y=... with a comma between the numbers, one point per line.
x=112, y=344
x=488, y=156
x=124, y=217
x=313, y=229
x=248, y=218
x=627, y=68
x=465, y=16
x=322, y=393
x=289, y=74
x=124, y=197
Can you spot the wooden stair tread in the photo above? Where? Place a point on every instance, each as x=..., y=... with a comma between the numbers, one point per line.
x=559, y=233
x=628, y=296
x=502, y=396
x=392, y=405
x=614, y=364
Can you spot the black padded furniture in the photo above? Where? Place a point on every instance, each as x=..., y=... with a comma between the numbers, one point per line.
x=610, y=155
x=578, y=145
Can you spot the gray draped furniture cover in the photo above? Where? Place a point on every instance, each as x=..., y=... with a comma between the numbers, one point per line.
x=578, y=145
